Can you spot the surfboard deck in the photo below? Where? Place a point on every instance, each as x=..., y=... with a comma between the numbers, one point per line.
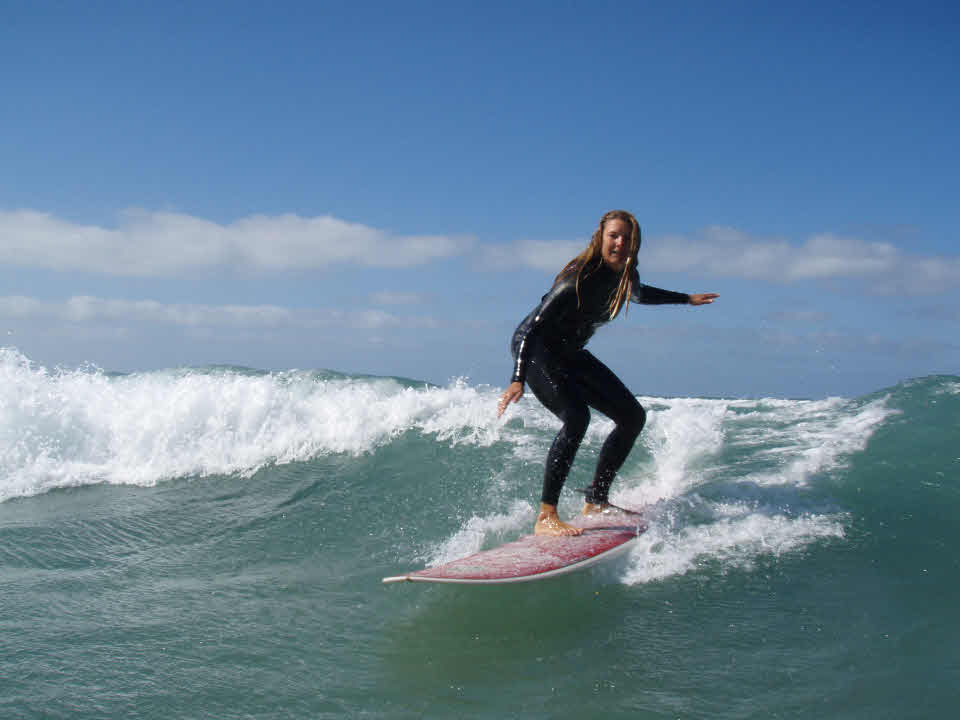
x=534, y=557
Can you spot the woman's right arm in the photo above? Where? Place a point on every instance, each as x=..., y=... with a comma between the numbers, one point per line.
x=512, y=394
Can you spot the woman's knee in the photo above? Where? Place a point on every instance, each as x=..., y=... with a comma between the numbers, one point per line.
x=633, y=420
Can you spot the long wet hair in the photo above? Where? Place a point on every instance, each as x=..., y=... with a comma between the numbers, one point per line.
x=590, y=260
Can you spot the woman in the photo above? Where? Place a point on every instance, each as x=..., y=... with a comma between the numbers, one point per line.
x=549, y=355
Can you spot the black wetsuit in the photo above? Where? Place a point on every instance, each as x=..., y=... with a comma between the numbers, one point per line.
x=549, y=355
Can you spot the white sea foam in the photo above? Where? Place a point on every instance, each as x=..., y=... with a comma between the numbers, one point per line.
x=809, y=438
x=737, y=538
x=477, y=529
x=764, y=442
x=63, y=428
x=949, y=388
x=681, y=438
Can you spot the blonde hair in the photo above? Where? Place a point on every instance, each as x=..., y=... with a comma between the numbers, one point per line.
x=590, y=260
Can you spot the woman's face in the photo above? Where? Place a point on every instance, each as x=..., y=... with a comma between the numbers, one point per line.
x=616, y=243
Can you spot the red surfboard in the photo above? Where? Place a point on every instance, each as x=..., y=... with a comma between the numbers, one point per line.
x=536, y=557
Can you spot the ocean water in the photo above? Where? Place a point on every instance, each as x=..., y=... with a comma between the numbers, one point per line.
x=209, y=543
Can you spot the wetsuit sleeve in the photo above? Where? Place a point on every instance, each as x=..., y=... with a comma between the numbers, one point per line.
x=649, y=295
x=555, y=303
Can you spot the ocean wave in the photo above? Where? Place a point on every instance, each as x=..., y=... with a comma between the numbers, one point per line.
x=70, y=427
x=64, y=428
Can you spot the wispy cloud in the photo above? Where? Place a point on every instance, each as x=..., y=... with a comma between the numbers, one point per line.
x=880, y=266
x=727, y=252
x=92, y=310
x=146, y=243
x=537, y=254
x=395, y=298
x=801, y=317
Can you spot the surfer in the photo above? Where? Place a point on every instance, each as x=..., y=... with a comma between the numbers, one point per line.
x=549, y=355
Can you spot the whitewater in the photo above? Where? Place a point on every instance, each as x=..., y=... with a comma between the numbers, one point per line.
x=208, y=542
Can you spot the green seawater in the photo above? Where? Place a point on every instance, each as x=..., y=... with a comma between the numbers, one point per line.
x=210, y=544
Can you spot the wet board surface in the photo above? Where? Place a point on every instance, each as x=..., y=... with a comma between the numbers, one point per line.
x=535, y=557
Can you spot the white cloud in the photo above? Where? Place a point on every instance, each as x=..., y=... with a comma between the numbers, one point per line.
x=727, y=252
x=884, y=267
x=100, y=311
x=537, y=254
x=395, y=298
x=146, y=243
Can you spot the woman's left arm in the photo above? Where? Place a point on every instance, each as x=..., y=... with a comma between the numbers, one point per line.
x=649, y=295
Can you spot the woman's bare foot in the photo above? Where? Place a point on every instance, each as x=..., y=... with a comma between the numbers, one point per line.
x=607, y=508
x=549, y=523
x=596, y=508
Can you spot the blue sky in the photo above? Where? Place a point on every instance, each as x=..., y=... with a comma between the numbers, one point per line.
x=388, y=188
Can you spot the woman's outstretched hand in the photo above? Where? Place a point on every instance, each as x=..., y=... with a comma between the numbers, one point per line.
x=703, y=298
x=511, y=394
